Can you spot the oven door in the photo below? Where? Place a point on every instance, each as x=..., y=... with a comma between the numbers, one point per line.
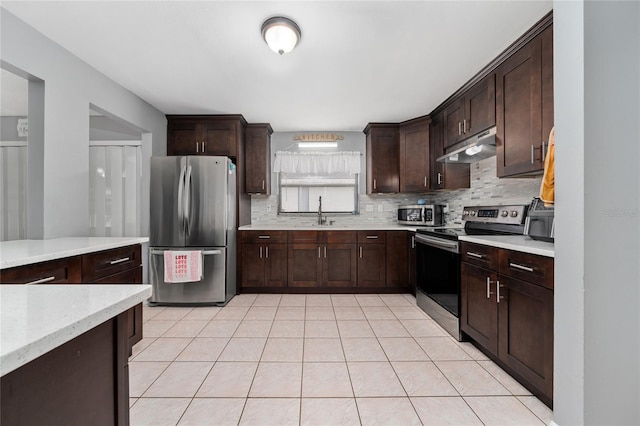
x=438, y=280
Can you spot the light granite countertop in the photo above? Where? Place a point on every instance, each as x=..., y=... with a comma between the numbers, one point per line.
x=520, y=243
x=26, y=252
x=358, y=227
x=35, y=319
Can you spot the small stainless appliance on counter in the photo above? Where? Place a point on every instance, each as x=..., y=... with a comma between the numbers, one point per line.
x=438, y=259
x=421, y=215
x=540, y=222
x=193, y=203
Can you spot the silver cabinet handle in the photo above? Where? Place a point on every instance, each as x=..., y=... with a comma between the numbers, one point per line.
x=372, y=237
x=197, y=147
x=43, y=280
x=325, y=252
x=264, y=237
x=459, y=128
x=319, y=257
x=115, y=262
x=498, y=297
x=521, y=267
x=267, y=250
x=413, y=241
x=439, y=178
x=263, y=184
x=488, y=287
x=374, y=184
x=464, y=126
x=260, y=252
x=425, y=181
x=544, y=152
x=532, y=149
x=476, y=255
x=360, y=252
x=204, y=147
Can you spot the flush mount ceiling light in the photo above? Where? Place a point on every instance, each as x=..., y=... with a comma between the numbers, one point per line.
x=281, y=34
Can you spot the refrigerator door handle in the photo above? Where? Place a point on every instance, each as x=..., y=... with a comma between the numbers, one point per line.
x=187, y=201
x=181, y=193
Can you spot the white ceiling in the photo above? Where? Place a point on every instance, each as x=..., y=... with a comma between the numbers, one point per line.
x=358, y=62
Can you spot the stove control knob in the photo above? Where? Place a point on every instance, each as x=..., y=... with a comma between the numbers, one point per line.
x=472, y=212
x=505, y=213
x=514, y=213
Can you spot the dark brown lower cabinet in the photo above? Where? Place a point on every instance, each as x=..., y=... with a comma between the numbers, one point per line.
x=511, y=318
x=305, y=265
x=264, y=265
x=339, y=265
x=397, y=259
x=479, y=314
x=526, y=332
x=371, y=265
x=82, y=382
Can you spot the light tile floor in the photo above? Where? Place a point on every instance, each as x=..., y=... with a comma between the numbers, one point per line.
x=273, y=359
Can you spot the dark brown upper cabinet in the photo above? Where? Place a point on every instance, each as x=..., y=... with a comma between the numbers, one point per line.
x=204, y=134
x=471, y=113
x=524, y=92
x=444, y=176
x=258, y=159
x=382, y=158
x=414, y=155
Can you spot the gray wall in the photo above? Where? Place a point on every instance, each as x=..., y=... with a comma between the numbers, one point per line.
x=597, y=291
x=70, y=87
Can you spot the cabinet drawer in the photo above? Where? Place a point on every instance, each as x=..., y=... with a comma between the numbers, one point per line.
x=371, y=237
x=527, y=267
x=339, y=237
x=480, y=255
x=263, y=237
x=131, y=276
x=108, y=262
x=60, y=271
x=303, y=237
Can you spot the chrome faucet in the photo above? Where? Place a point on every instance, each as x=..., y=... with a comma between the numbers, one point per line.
x=321, y=220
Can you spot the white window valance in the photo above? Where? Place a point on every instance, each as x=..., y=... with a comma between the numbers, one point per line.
x=317, y=162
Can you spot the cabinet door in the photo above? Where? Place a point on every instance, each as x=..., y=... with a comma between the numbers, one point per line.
x=413, y=264
x=397, y=259
x=183, y=137
x=339, y=265
x=546, y=39
x=383, y=160
x=414, y=158
x=526, y=332
x=371, y=265
x=219, y=137
x=276, y=265
x=444, y=176
x=258, y=159
x=479, y=313
x=519, y=112
x=253, y=265
x=61, y=271
x=453, y=117
x=480, y=106
x=305, y=265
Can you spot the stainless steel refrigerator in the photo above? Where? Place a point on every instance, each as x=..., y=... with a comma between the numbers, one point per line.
x=193, y=207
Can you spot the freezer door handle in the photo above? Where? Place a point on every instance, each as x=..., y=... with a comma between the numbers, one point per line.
x=204, y=252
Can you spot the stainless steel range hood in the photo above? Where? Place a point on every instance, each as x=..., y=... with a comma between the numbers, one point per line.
x=476, y=148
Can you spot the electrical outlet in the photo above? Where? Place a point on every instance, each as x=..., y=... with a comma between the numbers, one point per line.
x=268, y=208
x=380, y=208
x=369, y=207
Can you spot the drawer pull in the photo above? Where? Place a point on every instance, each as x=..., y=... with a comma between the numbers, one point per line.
x=42, y=281
x=264, y=237
x=521, y=267
x=115, y=262
x=476, y=255
x=372, y=237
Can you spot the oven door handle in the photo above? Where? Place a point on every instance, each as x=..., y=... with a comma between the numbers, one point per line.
x=438, y=243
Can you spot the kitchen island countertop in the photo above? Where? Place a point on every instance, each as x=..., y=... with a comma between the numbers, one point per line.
x=26, y=252
x=38, y=318
x=520, y=243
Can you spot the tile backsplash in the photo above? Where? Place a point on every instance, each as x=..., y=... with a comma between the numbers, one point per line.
x=486, y=189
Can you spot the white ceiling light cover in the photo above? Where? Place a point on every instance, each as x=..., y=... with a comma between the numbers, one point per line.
x=281, y=34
